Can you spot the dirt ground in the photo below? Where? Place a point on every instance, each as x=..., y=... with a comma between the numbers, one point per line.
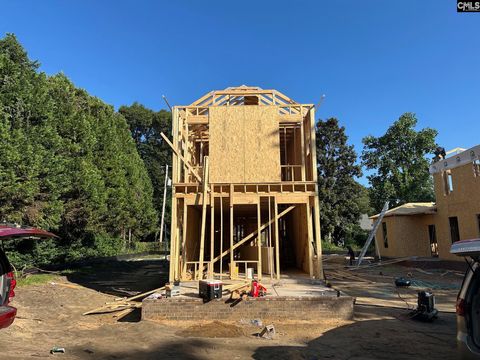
x=50, y=315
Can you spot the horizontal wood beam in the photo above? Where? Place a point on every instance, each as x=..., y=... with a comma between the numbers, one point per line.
x=197, y=119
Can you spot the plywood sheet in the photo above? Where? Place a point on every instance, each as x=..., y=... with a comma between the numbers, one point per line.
x=244, y=144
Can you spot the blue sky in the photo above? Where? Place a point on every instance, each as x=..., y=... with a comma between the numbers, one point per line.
x=374, y=60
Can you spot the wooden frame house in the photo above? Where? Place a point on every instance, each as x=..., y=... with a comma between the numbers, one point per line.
x=244, y=186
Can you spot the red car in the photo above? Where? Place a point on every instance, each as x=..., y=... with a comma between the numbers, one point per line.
x=7, y=278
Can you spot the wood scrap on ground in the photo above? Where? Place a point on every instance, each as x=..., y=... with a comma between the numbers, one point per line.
x=339, y=274
x=122, y=304
x=382, y=263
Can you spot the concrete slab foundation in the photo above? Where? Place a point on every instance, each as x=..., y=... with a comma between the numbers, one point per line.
x=286, y=301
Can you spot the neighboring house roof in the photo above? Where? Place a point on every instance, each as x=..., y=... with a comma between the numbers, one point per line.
x=411, y=209
x=365, y=222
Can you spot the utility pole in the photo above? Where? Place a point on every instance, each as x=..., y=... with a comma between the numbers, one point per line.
x=163, y=205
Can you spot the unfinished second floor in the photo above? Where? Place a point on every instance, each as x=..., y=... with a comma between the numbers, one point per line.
x=255, y=140
x=457, y=181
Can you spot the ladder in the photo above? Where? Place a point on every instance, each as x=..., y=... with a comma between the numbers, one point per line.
x=372, y=233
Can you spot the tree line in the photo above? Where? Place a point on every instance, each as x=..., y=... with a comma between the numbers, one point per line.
x=69, y=164
x=398, y=164
x=72, y=164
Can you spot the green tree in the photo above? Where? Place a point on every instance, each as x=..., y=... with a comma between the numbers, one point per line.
x=399, y=164
x=145, y=126
x=69, y=164
x=338, y=190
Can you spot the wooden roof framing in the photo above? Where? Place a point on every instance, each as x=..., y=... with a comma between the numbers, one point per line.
x=235, y=95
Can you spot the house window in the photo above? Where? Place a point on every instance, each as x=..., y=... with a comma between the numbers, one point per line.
x=450, y=182
x=447, y=182
x=478, y=223
x=454, y=231
x=385, y=234
x=476, y=168
x=432, y=234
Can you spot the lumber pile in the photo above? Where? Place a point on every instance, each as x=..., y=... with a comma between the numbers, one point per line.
x=237, y=290
x=124, y=305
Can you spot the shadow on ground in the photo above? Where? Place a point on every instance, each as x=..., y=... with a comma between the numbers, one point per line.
x=378, y=333
x=398, y=338
x=118, y=277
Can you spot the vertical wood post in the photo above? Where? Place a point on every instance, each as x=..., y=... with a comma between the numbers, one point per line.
x=221, y=233
x=259, y=240
x=184, y=239
x=277, y=240
x=310, y=239
x=173, y=241
x=302, y=146
x=318, y=238
x=232, y=264
x=212, y=232
x=270, y=249
x=204, y=215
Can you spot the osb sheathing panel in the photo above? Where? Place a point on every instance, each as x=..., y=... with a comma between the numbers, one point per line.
x=297, y=228
x=407, y=236
x=463, y=202
x=244, y=144
x=193, y=233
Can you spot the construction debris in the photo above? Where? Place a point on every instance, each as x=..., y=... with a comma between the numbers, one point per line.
x=268, y=332
x=122, y=304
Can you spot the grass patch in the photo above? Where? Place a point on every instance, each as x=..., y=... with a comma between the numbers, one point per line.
x=36, y=279
x=331, y=246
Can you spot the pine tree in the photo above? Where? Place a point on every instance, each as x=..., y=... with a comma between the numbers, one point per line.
x=338, y=190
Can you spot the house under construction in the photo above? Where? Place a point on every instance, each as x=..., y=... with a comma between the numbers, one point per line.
x=244, y=187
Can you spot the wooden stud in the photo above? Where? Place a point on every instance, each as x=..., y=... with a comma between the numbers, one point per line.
x=259, y=241
x=302, y=148
x=310, y=239
x=277, y=240
x=313, y=145
x=204, y=215
x=173, y=232
x=318, y=239
x=232, y=264
x=212, y=232
x=184, y=247
x=221, y=235
x=176, y=271
x=270, y=260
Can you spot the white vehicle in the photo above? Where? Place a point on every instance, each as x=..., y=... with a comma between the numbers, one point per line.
x=468, y=300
